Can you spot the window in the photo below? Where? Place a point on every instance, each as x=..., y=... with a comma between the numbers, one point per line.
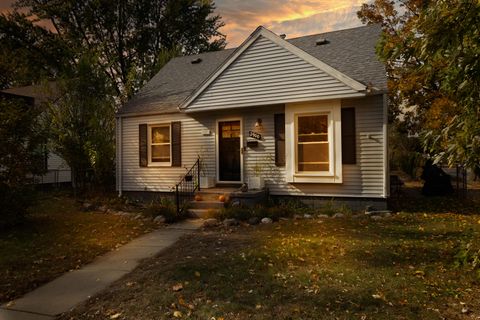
x=159, y=145
x=313, y=142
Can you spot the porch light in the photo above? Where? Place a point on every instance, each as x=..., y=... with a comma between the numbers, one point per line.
x=258, y=123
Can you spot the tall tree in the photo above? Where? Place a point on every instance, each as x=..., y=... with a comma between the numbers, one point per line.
x=432, y=50
x=129, y=36
x=81, y=123
x=100, y=52
x=29, y=53
x=21, y=154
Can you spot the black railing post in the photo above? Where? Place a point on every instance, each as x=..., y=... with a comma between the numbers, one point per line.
x=177, y=199
x=198, y=173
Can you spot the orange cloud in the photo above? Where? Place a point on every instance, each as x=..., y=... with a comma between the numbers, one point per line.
x=293, y=17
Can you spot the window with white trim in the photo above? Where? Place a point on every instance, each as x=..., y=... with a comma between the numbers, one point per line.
x=312, y=143
x=159, y=148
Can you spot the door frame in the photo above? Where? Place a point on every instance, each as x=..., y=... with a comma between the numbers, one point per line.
x=217, y=148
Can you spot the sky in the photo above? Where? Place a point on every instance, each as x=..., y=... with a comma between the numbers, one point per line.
x=291, y=17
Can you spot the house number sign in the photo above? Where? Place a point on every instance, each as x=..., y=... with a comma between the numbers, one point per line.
x=255, y=135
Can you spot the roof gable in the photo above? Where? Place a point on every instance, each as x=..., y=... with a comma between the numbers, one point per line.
x=266, y=69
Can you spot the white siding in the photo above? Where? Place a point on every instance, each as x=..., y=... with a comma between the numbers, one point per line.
x=266, y=74
x=365, y=179
x=58, y=171
x=194, y=143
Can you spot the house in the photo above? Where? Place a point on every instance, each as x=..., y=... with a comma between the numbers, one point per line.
x=57, y=170
x=308, y=115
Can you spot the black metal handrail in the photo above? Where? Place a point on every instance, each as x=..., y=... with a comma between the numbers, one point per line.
x=185, y=189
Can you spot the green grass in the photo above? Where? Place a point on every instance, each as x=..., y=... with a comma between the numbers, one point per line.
x=57, y=237
x=397, y=268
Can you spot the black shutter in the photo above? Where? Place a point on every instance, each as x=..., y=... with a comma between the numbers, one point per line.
x=143, y=144
x=349, y=146
x=176, y=144
x=280, y=139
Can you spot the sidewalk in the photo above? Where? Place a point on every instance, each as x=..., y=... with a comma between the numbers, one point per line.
x=69, y=290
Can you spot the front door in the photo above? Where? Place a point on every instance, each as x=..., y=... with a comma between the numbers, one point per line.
x=229, y=161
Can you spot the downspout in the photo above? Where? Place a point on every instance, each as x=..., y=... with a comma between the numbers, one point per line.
x=119, y=156
x=386, y=168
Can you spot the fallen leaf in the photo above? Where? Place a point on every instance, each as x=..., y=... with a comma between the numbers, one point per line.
x=177, y=314
x=197, y=274
x=177, y=287
x=115, y=316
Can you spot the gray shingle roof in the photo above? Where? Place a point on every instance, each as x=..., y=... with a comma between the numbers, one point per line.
x=350, y=51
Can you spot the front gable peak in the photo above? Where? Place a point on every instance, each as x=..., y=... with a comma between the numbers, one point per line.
x=266, y=69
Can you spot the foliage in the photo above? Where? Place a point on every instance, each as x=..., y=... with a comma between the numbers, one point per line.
x=21, y=154
x=468, y=256
x=82, y=126
x=431, y=51
x=131, y=39
x=163, y=207
x=29, y=53
x=241, y=213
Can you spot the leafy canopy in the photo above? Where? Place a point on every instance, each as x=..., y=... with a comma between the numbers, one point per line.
x=432, y=50
x=130, y=38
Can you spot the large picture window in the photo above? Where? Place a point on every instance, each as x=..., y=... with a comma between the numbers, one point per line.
x=160, y=145
x=312, y=143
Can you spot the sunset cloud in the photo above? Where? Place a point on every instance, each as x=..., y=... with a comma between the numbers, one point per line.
x=292, y=17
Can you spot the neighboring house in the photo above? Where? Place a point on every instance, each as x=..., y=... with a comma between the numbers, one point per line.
x=307, y=114
x=57, y=170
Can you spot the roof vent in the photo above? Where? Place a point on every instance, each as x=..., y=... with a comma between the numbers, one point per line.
x=321, y=41
x=196, y=61
x=283, y=36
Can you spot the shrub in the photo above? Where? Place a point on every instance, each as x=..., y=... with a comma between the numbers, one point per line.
x=240, y=213
x=290, y=207
x=164, y=207
x=14, y=202
x=330, y=208
x=274, y=212
x=468, y=256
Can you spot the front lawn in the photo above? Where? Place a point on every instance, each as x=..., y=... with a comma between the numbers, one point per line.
x=57, y=237
x=401, y=267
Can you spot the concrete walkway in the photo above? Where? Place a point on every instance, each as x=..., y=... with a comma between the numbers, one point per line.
x=71, y=289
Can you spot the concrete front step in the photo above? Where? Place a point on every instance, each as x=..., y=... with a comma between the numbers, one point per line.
x=212, y=194
x=200, y=213
x=206, y=204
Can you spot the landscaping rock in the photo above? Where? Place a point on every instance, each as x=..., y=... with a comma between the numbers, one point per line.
x=369, y=209
x=103, y=208
x=339, y=215
x=253, y=221
x=87, y=206
x=159, y=219
x=376, y=217
x=323, y=216
x=212, y=222
x=297, y=217
x=266, y=220
x=235, y=203
x=230, y=222
x=387, y=215
x=307, y=216
x=121, y=213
